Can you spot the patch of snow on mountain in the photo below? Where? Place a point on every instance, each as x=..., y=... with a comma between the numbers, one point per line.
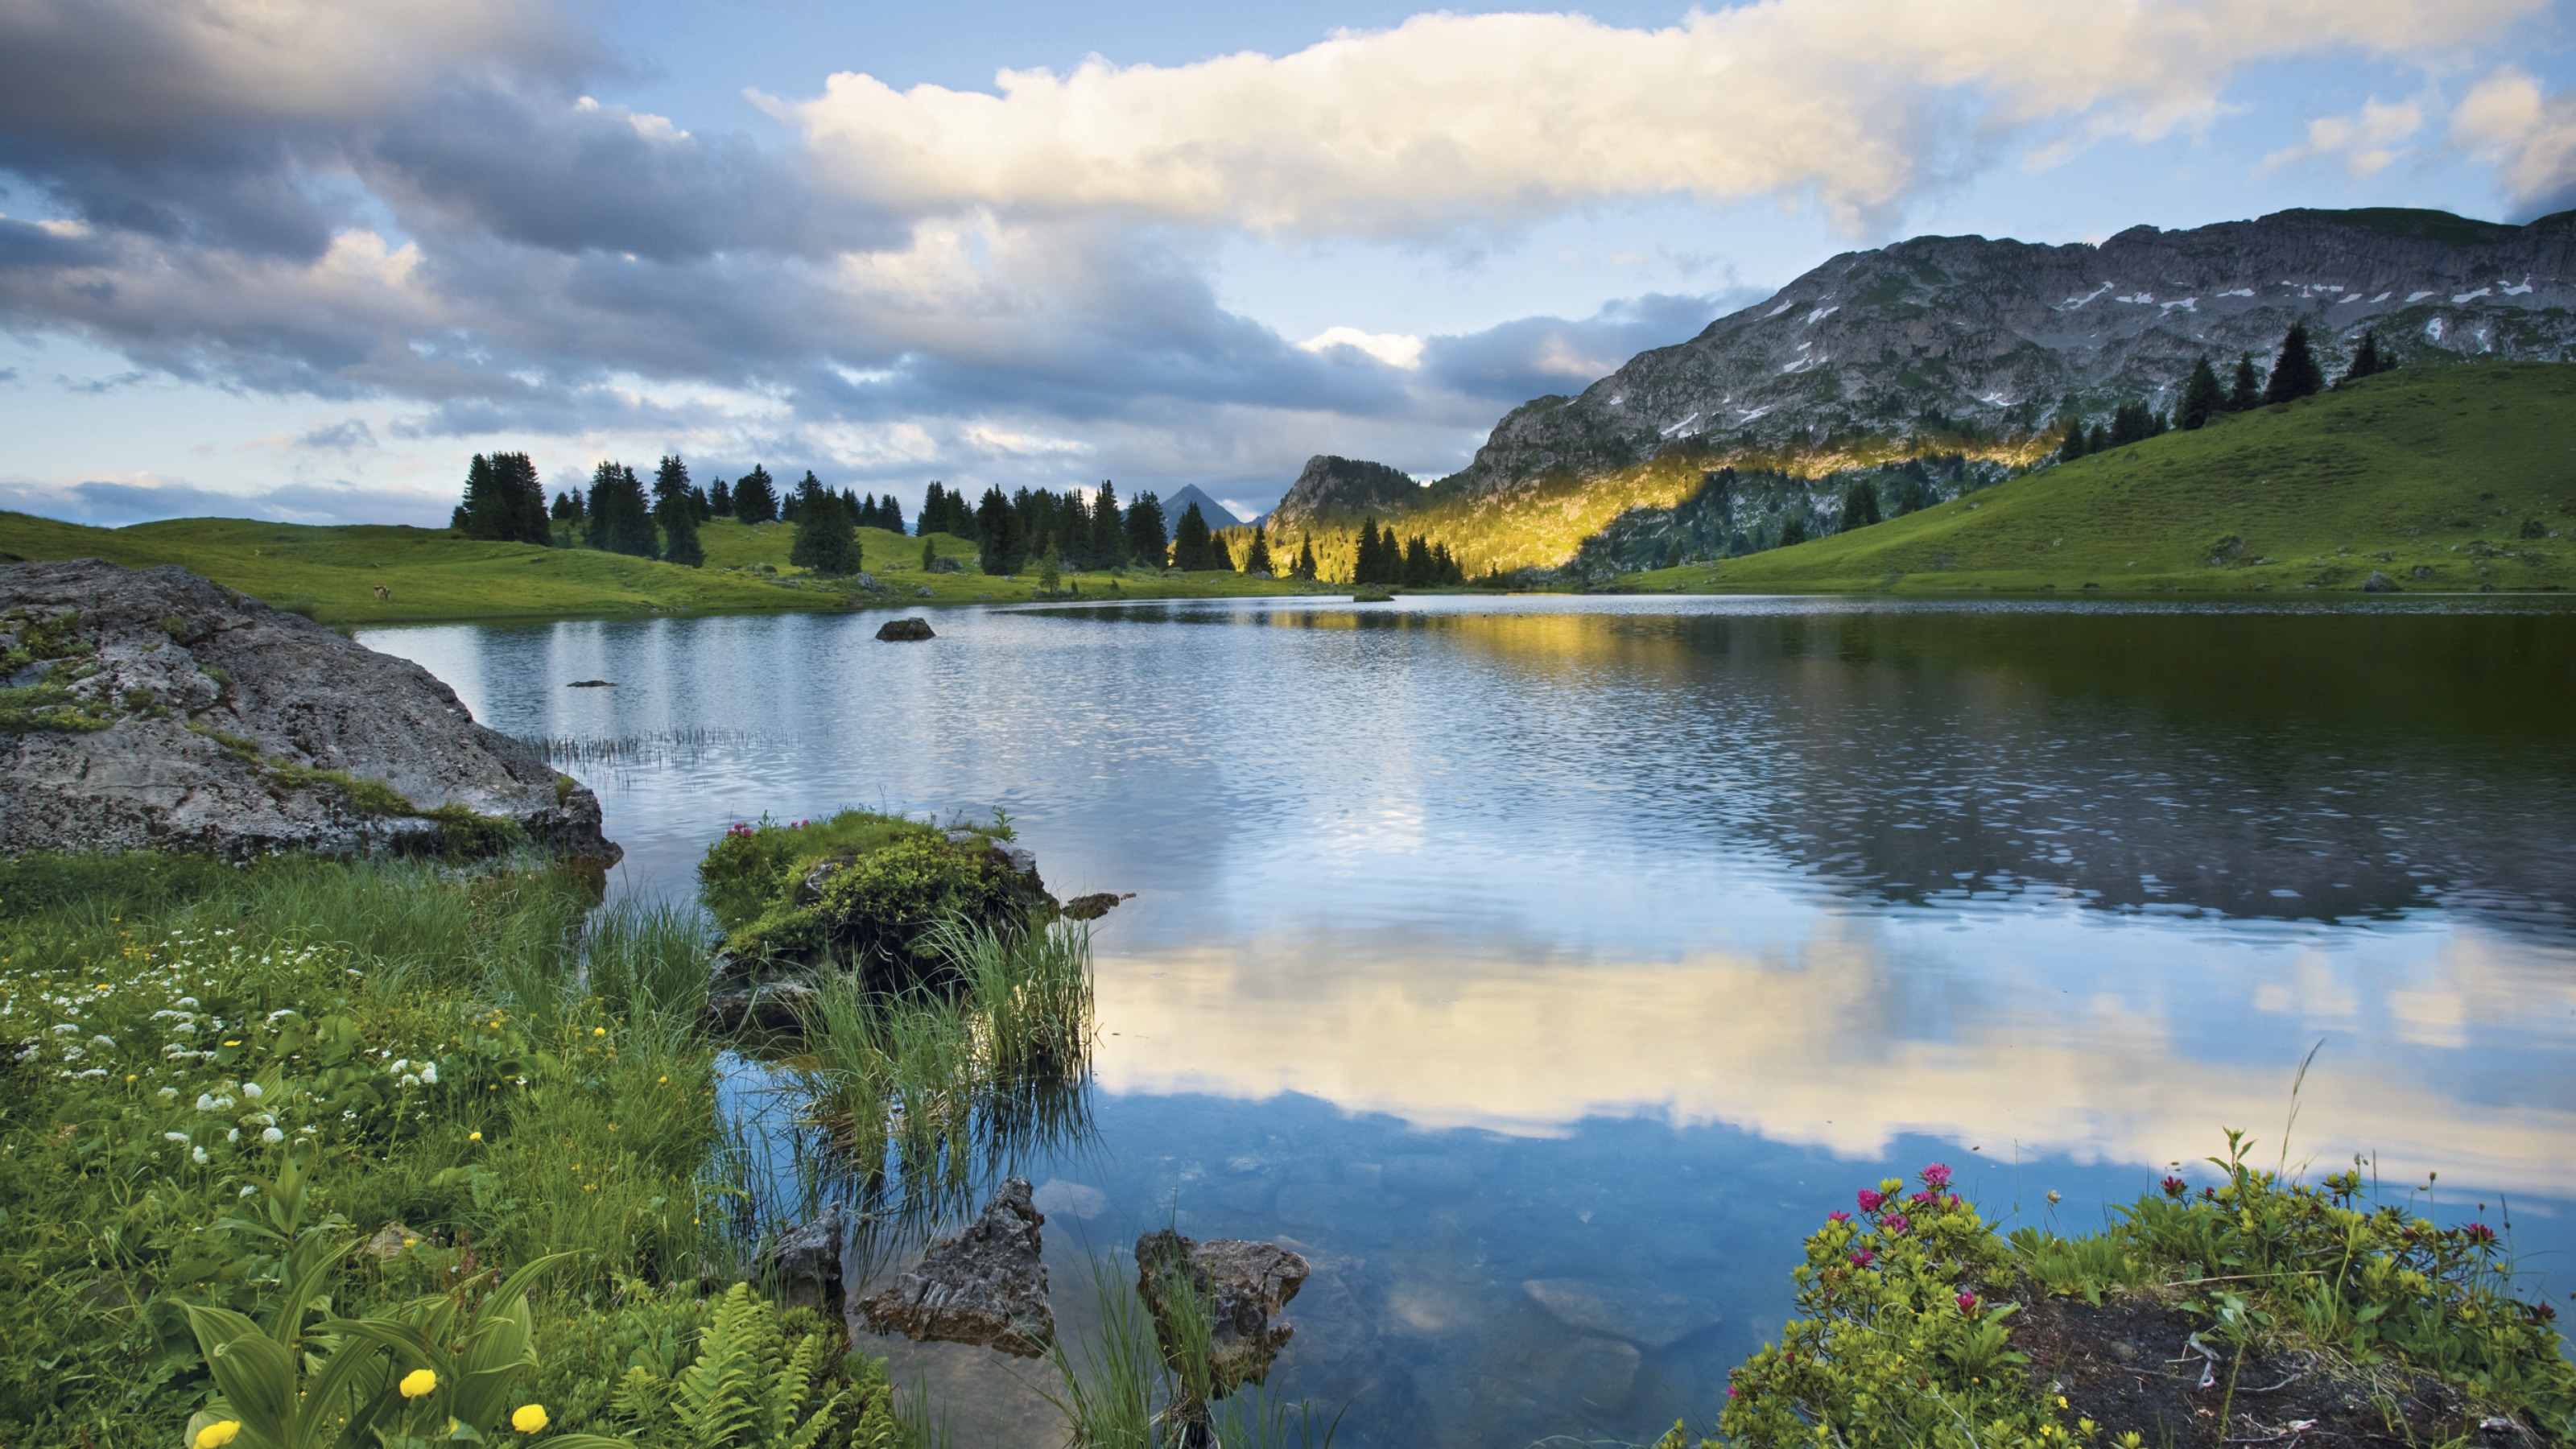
x=2522, y=291
x=2188, y=304
x=2415, y=297
x=1776, y=311
x=2238, y=292
x=1819, y=315
x=2435, y=328
x=2382, y=297
x=2458, y=297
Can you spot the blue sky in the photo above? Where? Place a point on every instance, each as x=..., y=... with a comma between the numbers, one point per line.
x=290, y=259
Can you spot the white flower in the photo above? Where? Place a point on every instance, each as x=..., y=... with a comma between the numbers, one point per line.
x=92, y=1072
x=246, y=1191
x=263, y=1119
x=251, y=1090
x=429, y=1073
x=234, y=1135
x=410, y=1081
x=401, y=1064
x=189, y=1002
x=271, y=1134
x=197, y=1155
x=107, y=1042
x=205, y=1102
x=174, y=1136
x=168, y=1094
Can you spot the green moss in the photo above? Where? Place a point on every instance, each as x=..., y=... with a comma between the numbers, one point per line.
x=465, y=835
x=752, y=868
x=898, y=880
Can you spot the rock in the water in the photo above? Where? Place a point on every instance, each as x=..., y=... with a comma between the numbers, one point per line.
x=985, y=1286
x=897, y=631
x=592, y=684
x=807, y=1263
x=169, y=712
x=1095, y=905
x=1643, y=1317
x=1243, y=1285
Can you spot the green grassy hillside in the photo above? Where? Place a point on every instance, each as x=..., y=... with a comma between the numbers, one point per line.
x=2444, y=479
x=431, y=574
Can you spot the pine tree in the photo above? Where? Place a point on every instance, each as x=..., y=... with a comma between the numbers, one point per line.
x=2074, y=445
x=934, y=506
x=620, y=522
x=2201, y=397
x=827, y=539
x=1417, y=563
x=2365, y=359
x=1108, y=528
x=997, y=534
x=1305, y=566
x=1365, y=567
x=720, y=498
x=567, y=508
x=1147, y=542
x=890, y=514
x=2245, y=390
x=755, y=499
x=2128, y=424
x=2098, y=441
x=1860, y=505
x=1256, y=560
x=503, y=501
x=1793, y=526
x=2295, y=373
x=698, y=504
x=680, y=544
x=929, y=555
x=1190, y=541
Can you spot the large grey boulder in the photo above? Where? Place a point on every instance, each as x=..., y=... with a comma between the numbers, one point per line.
x=986, y=1286
x=154, y=709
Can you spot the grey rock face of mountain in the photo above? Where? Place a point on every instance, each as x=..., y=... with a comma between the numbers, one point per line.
x=1938, y=332
x=1216, y=514
x=1344, y=489
x=160, y=710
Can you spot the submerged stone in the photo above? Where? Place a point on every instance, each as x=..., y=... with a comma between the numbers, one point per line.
x=987, y=1286
x=906, y=630
x=1650, y=1319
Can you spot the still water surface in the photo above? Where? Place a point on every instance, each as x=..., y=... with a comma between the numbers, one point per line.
x=1544, y=968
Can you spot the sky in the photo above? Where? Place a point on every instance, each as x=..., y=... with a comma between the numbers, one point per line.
x=301, y=259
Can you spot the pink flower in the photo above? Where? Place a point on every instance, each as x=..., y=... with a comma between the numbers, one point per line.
x=1967, y=1303
x=1863, y=1258
x=1838, y=1216
x=1733, y=1392
x=1925, y=1199
x=2175, y=1187
x=1870, y=1198
x=2478, y=1233
x=1894, y=1223
x=1937, y=1175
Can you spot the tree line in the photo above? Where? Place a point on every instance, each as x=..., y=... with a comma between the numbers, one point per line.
x=2295, y=373
x=1416, y=563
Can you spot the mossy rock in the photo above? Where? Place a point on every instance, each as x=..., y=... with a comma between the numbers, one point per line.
x=877, y=911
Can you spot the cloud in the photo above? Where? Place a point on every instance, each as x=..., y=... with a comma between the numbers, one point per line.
x=2529, y=137
x=1451, y=121
x=1395, y=349
x=2365, y=141
x=343, y=436
x=111, y=503
x=1514, y=361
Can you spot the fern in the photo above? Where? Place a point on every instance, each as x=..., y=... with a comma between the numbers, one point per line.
x=749, y=1387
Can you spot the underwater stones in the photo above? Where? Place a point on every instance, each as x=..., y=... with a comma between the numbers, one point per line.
x=1597, y=1372
x=806, y=1263
x=904, y=631
x=987, y=1286
x=1639, y=1316
x=1243, y=1285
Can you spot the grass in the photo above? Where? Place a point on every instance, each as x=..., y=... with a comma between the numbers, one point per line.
x=430, y=575
x=463, y=1057
x=2443, y=479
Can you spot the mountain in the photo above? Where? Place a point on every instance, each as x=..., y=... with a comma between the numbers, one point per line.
x=1215, y=513
x=1969, y=349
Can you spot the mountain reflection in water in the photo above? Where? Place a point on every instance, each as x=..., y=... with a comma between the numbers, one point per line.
x=1482, y=943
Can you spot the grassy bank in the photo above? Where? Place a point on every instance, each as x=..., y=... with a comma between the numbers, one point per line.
x=396, y=1077
x=2254, y=1310
x=2443, y=479
x=431, y=575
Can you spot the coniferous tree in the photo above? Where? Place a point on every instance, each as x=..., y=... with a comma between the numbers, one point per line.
x=680, y=544
x=1256, y=560
x=2365, y=359
x=1190, y=540
x=1860, y=505
x=620, y=520
x=1147, y=541
x=1417, y=563
x=1220, y=551
x=755, y=498
x=827, y=539
x=1364, y=565
x=503, y=501
x=929, y=555
x=2128, y=424
x=2074, y=447
x=2099, y=440
x=934, y=506
x=1108, y=528
x=2295, y=373
x=2245, y=389
x=720, y=498
x=1305, y=565
x=567, y=508
x=1793, y=526
x=997, y=534
x=2202, y=398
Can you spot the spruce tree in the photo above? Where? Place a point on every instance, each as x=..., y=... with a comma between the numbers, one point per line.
x=1860, y=505
x=679, y=519
x=2365, y=359
x=1793, y=526
x=620, y=521
x=2245, y=390
x=1108, y=528
x=1417, y=563
x=2295, y=373
x=1364, y=564
x=1256, y=560
x=720, y=498
x=934, y=506
x=2201, y=397
x=755, y=498
x=1190, y=541
x=1305, y=566
x=997, y=534
x=1147, y=541
x=929, y=555
x=567, y=508
x=2098, y=441
x=827, y=539
x=2074, y=445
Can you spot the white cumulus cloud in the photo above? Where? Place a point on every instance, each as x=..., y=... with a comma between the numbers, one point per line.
x=1395, y=349
x=2527, y=134
x=2366, y=141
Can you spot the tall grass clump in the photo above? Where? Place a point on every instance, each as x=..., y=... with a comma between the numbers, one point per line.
x=1122, y=1389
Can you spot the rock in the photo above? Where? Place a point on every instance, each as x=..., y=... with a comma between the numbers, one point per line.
x=1640, y=1316
x=390, y=1242
x=2423, y=571
x=986, y=1286
x=763, y=1006
x=1243, y=1285
x=2378, y=583
x=946, y=566
x=1597, y=1372
x=209, y=721
x=1062, y=1199
x=899, y=631
x=1092, y=907
x=924, y=591
x=592, y=684
x=806, y=1263
x=864, y=579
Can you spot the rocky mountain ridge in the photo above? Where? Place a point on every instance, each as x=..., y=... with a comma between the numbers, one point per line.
x=1975, y=346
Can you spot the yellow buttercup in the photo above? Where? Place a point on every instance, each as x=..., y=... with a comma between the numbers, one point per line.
x=418, y=1383
x=218, y=1434
x=528, y=1418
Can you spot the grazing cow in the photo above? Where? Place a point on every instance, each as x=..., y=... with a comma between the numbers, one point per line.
x=384, y=595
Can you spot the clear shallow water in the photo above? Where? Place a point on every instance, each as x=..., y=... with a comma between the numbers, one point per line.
x=1603, y=945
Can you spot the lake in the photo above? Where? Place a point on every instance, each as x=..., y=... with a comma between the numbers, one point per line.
x=1544, y=968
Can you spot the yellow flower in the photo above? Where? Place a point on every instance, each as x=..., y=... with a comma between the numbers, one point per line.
x=418, y=1383
x=473, y=1136
x=528, y=1418
x=599, y=1031
x=218, y=1434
